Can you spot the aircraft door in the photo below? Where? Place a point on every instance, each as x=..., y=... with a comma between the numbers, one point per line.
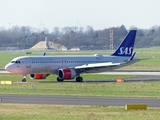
x=63, y=62
x=28, y=62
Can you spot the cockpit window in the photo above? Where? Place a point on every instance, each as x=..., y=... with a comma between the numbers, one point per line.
x=18, y=62
x=12, y=61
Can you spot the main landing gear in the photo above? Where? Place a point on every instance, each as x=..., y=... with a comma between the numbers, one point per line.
x=79, y=79
x=24, y=78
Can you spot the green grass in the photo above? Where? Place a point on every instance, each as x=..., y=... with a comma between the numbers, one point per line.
x=51, y=87
x=143, y=89
x=61, y=112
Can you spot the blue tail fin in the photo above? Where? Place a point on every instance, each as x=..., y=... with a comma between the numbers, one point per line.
x=127, y=45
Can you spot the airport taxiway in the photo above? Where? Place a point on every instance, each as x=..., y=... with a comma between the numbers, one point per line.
x=76, y=100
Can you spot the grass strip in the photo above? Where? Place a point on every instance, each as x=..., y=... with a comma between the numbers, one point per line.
x=72, y=112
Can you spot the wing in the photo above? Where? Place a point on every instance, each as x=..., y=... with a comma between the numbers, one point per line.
x=96, y=66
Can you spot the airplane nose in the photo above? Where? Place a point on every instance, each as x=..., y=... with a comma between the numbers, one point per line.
x=7, y=67
x=12, y=68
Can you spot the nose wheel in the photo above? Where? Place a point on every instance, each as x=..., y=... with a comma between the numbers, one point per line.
x=24, y=78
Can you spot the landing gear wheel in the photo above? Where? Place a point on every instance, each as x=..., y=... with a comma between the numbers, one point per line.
x=59, y=80
x=79, y=79
x=23, y=80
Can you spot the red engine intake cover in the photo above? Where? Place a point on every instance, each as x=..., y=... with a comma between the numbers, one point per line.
x=67, y=73
x=38, y=76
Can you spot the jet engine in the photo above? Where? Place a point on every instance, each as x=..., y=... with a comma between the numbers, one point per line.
x=38, y=76
x=66, y=73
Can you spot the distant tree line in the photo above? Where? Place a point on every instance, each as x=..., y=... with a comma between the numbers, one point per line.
x=25, y=37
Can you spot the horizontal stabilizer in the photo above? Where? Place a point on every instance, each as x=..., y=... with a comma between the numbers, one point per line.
x=145, y=58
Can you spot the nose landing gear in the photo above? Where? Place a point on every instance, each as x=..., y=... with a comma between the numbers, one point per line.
x=24, y=78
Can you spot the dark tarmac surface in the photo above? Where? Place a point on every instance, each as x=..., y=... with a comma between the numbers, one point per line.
x=73, y=100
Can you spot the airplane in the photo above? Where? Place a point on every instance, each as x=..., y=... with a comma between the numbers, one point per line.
x=69, y=67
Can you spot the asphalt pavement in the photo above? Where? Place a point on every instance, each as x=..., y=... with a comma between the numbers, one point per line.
x=75, y=100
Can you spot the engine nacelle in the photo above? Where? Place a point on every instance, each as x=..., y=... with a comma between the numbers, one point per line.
x=66, y=73
x=38, y=76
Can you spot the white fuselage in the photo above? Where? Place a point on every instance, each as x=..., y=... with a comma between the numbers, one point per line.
x=51, y=64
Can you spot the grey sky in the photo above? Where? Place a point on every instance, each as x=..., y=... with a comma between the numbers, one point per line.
x=99, y=14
